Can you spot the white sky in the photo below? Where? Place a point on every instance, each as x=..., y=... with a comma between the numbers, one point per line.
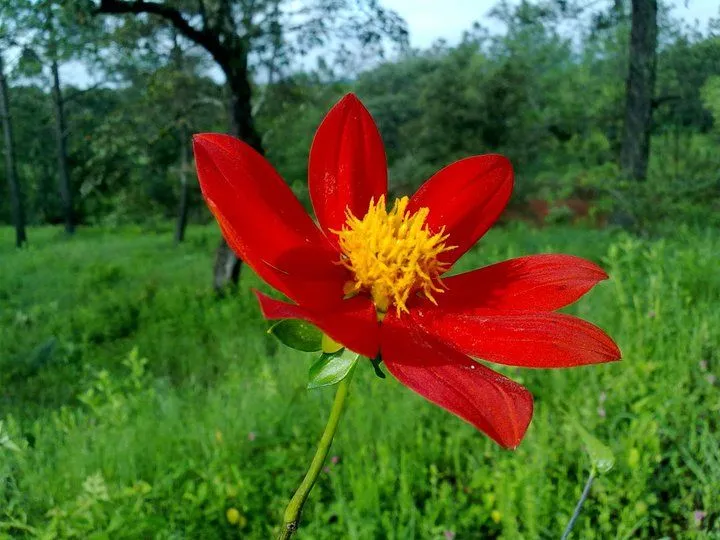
x=429, y=20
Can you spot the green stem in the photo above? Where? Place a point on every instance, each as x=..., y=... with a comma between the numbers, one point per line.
x=291, y=518
x=578, y=507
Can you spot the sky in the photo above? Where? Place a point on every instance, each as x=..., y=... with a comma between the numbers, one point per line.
x=429, y=20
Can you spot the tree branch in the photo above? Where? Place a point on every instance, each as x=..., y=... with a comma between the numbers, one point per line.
x=202, y=37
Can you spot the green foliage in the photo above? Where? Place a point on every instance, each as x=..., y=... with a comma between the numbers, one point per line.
x=515, y=93
x=96, y=441
x=135, y=403
x=298, y=335
x=601, y=456
x=711, y=97
x=683, y=186
x=331, y=368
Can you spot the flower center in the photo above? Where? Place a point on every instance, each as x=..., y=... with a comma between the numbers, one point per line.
x=392, y=254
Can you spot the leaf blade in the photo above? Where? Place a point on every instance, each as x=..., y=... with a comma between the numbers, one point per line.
x=298, y=335
x=331, y=368
x=601, y=456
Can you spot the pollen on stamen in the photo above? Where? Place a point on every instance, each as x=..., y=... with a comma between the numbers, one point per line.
x=392, y=254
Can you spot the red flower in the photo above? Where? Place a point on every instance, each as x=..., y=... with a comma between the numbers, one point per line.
x=370, y=278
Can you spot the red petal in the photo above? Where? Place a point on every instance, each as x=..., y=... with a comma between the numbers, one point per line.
x=490, y=402
x=264, y=223
x=527, y=339
x=347, y=165
x=537, y=283
x=466, y=198
x=353, y=323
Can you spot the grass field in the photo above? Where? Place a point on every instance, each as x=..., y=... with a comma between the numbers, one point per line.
x=136, y=404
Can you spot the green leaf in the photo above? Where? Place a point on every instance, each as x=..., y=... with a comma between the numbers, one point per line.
x=332, y=368
x=6, y=442
x=298, y=335
x=601, y=456
x=376, y=365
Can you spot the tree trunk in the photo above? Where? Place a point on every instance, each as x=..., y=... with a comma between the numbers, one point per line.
x=226, y=271
x=241, y=118
x=230, y=52
x=184, y=195
x=639, y=90
x=227, y=265
x=16, y=197
x=64, y=185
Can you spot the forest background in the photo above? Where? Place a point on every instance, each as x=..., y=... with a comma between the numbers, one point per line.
x=136, y=401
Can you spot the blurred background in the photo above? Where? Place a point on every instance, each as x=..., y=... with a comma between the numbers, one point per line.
x=140, y=396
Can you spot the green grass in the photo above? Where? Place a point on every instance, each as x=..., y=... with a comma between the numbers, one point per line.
x=97, y=443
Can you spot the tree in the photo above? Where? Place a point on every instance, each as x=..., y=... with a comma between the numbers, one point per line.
x=52, y=34
x=184, y=206
x=241, y=34
x=640, y=89
x=173, y=100
x=17, y=204
x=16, y=196
x=64, y=184
x=183, y=82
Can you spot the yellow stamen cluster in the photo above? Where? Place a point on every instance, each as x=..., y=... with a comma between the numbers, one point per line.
x=392, y=254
